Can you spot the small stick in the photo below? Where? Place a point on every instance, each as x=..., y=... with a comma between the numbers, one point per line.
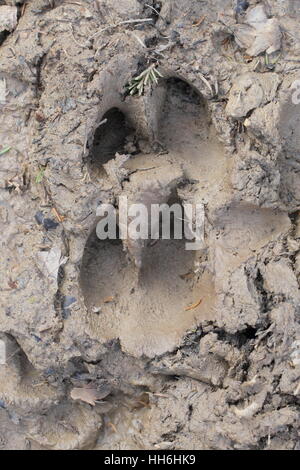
x=59, y=217
x=120, y=24
x=200, y=21
x=78, y=43
x=152, y=8
x=85, y=139
x=139, y=40
x=113, y=427
x=206, y=82
x=104, y=121
x=192, y=307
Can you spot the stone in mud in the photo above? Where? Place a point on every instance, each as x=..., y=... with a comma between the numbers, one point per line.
x=258, y=33
x=263, y=123
x=250, y=91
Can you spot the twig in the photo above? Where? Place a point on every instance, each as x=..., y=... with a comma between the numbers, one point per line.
x=145, y=20
x=192, y=307
x=113, y=427
x=144, y=169
x=139, y=40
x=206, y=82
x=152, y=8
x=78, y=43
x=199, y=22
x=85, y=139
x=104, y=121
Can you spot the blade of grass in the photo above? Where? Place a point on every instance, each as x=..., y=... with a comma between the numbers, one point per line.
x=40, y=176
x=5, y=150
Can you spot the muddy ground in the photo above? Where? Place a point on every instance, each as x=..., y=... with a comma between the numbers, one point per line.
x=109, y=346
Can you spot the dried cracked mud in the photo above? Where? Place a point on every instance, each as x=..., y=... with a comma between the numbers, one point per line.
x=115, y=344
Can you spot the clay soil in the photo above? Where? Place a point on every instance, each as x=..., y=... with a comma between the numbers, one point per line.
x=115, y=344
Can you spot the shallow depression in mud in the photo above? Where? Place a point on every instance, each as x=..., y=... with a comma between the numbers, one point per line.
x=109, y=138
x=186, y=130
x=150, y=305
x=146, y=309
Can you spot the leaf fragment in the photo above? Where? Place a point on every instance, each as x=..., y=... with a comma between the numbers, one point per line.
x=87, y=395
x=39, y=177
x=5, y=150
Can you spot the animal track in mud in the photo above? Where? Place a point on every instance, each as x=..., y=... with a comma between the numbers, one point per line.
x=147, y=309
x=109, y=138
x=146, y=306
x=18, y=382
x=187, y=132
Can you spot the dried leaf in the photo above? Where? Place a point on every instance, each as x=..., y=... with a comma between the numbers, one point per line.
x=259, y=34
x=12, y=284
x=87, y=395
x=50, y=261
x=188, y=275
x=191, y=307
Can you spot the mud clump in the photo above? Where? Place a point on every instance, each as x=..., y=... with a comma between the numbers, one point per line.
x=186, y=349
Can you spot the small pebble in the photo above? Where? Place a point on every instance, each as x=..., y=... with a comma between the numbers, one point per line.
x=96, y=309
